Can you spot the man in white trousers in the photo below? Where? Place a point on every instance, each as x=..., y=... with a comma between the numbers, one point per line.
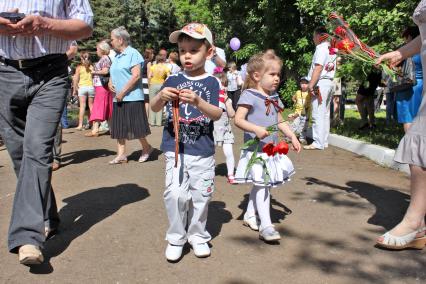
x=321, y=77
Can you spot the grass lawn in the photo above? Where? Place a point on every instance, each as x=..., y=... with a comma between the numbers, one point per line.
x=384, y=135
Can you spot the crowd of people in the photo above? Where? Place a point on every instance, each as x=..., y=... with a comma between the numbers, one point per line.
x=128, y=93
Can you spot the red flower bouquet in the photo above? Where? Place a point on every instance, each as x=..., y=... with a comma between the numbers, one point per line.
x=345, y=43
x=269, y=149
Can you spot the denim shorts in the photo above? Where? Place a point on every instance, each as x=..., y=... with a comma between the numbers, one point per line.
x=86, y=91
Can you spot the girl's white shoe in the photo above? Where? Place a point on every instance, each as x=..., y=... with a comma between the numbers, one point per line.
x=251, y=222
x=269, y=234
x=415, y=240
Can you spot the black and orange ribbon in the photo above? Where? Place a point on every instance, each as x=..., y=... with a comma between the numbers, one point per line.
x=268, y=103
x=175, y=108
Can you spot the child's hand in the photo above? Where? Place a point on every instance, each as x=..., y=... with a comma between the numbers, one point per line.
x=189, y=96
x=169, y=94
x=295, y=144
x=261, y=132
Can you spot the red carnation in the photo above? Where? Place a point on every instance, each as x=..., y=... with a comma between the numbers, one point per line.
x=268, y=149
x=345, y=45
x=281, y=148
x=340, y=31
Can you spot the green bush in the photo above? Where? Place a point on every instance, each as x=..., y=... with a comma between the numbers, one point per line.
x=287, y=91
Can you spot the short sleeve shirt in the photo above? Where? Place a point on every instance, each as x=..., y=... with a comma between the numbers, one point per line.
x=322, y=57
x=121, y=72
x=257, y=114
x=104, y=62
x=195, y=128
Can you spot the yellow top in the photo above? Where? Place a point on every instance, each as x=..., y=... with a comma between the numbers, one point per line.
x=159, y=73
x=85, y=76
x=303, y=103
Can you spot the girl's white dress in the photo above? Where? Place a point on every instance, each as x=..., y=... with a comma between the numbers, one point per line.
x=280, y=167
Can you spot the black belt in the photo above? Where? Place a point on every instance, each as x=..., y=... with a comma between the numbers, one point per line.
x=31, y=63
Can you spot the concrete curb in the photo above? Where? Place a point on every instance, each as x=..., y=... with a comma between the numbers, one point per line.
x=381, y=155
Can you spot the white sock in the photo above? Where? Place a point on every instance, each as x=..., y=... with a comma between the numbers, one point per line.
x=263, y=200
x=251, y=206
x=229, y=155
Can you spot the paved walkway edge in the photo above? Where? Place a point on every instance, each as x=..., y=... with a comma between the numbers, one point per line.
x=379, y=154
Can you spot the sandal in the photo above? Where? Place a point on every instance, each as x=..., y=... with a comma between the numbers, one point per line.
x=79, y=128
x=414, y=240
x=91, y=134
x=118, y=160
x=310, y=147
x=145, y=157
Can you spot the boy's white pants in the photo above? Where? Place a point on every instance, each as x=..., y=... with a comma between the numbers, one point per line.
x=189, y=188
x=321, y=114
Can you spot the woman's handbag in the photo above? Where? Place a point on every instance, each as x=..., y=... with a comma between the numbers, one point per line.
x=408, y=78
x=105, y=78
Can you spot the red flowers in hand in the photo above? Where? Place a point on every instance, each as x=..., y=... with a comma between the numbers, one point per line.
x=270, y=149
x=340, y=31
x=281, y=148
x=345, y=45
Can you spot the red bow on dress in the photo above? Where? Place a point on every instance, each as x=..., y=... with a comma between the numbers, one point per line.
x=268, y=103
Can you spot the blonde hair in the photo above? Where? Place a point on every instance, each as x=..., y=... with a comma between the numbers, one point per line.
x=232, y=66
x=257, y=63
x=104, y=47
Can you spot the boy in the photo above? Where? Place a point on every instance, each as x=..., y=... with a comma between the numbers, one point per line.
x=301, y=113
x=190, y=184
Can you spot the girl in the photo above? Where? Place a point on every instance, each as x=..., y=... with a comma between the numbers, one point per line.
x=157, y=74
x=258, y=108
x=83, y=87
x=222, y=133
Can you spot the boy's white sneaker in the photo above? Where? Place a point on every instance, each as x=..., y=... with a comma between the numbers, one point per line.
x=201, y=250
x=173, y=252
x=269, y=234
x=251, y=222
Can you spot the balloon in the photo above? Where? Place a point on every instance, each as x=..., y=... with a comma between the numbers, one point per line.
x=235, y=44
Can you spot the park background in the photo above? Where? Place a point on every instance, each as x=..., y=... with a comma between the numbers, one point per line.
x=283, y=25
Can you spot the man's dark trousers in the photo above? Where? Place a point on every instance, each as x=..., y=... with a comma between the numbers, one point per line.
x=31, y=104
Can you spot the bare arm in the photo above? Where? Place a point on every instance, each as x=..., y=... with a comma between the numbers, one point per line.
x=229, y=108
x=134, y=79
x=315, y=76
x=242, y=123
x=75, y=80
x=408, y=50
x=103, y=71
x=285, y=128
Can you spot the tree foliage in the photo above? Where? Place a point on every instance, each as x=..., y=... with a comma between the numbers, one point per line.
x=283, y=25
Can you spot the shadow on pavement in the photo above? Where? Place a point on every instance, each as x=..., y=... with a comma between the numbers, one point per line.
x=218, y=215
x=276, y=215
x=85, y=210
x=221, y=170
x=82, y=156
x=390, y=204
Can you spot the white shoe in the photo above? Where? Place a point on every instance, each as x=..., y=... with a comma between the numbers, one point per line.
x=252, y=223
x=30, y=255
x=269, y=234
x=173, y=253
x=201, y=250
